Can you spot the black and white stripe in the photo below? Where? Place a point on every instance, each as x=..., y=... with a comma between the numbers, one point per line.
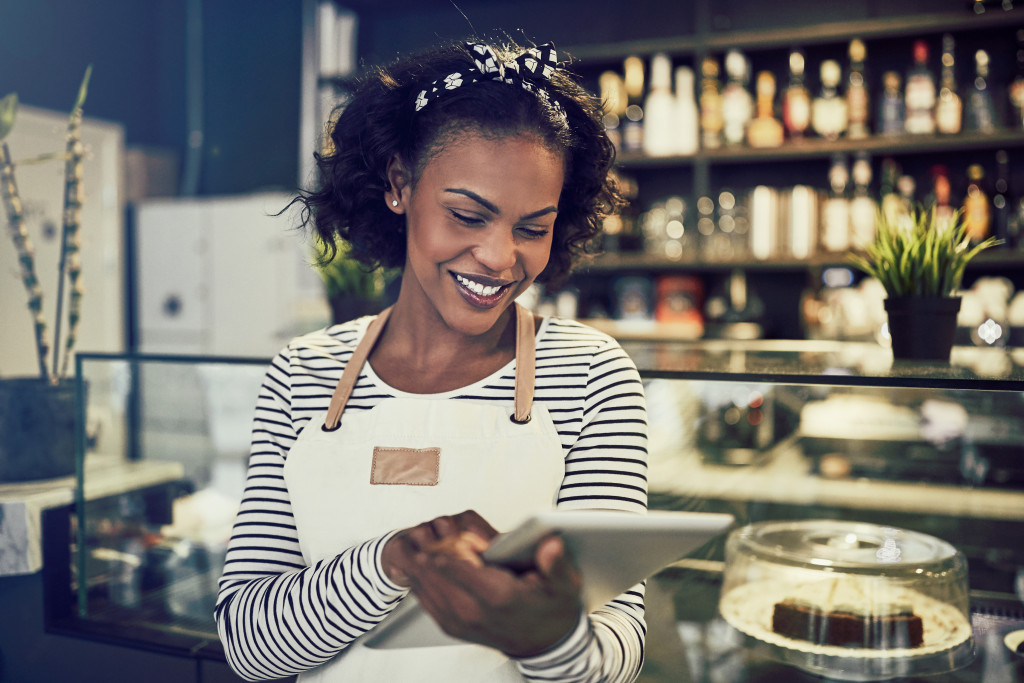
x=277, y=617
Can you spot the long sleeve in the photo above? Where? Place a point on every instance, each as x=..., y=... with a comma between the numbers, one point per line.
x=275, y=615
x=606, y=468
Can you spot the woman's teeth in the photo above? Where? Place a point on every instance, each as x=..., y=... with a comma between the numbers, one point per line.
x=476, y=287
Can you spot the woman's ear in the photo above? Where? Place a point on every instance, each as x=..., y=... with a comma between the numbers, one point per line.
x=399, y=181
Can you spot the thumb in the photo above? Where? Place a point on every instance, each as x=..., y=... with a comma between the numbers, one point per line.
x=553, y=561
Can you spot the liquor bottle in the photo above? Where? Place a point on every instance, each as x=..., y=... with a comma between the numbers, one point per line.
x=891, y=110
x=940, y=198
x=892, y=205
x=977, y=209
x=981, y=114
x=711, y=121
x=613, y=98
x=857, y=91
x=906, y=186
x=863, y=208
x=796, y=103
x=633, y=126
x=1017, y=86
x=828, y=112
x=835, y=228
x=659, y=128
x=765, y=130
x=920, y=93
x=948, y=108
x=686, y=118
x=737, y=104
x=1001, y=198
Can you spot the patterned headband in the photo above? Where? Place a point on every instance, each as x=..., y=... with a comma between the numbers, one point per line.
x=535, y=64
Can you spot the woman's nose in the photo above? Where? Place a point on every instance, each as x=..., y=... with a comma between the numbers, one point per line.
x=497, y=249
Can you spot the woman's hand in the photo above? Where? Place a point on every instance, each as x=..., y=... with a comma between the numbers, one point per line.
x=519, y=614
x=464, y=535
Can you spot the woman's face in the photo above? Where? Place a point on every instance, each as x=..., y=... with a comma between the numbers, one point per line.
x=479, y=221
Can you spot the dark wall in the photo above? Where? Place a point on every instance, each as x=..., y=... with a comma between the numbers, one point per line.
x=251, y=73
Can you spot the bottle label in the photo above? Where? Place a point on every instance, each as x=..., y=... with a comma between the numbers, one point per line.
x=797, y=111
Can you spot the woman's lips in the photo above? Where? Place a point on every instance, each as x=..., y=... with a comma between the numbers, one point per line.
x=483, y=293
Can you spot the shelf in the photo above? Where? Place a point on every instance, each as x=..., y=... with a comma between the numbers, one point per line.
x=811, y=148
x=816, y=34
x=617, y=262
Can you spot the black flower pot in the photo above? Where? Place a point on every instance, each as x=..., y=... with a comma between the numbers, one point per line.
x=922, y=328
x=37, y=429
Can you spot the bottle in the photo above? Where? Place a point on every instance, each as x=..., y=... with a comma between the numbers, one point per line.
x=835, y=228
x=857, y=91
x=906, y=186
x=765, y=130
x=659, y=128
x=613, y=98
x=948, y=108
x=977, y=210
x=981, y=115
x=686, y=118
x=891, y=110
x=1001, y=198
x=941, y=196
x=711, y=121
x=863, y=208
x=796, y=103
x=892, y=205
x=737, y=104
x=633, y=125
x=1017, y=86
x=920, y=94
x=828, y=112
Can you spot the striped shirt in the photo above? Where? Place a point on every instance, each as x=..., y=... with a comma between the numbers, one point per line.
x=277, y=617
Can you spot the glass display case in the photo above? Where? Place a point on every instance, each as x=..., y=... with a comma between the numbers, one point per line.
x=767, y=431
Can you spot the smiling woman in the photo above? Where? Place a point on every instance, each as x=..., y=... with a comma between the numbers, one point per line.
x=454, y=414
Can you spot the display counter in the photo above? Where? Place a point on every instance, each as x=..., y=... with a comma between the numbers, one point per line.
x=762, y=430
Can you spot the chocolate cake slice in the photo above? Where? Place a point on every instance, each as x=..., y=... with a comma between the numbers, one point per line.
x=891, y=627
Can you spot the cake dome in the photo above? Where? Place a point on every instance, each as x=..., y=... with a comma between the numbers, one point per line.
x=849, y=600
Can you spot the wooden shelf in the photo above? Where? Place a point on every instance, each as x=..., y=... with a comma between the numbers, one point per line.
x=816, y=34
x=612, y=262
x=813, y=148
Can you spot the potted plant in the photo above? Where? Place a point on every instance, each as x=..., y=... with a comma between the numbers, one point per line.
x=352, y=289
x=37, y=413
x=920, y=259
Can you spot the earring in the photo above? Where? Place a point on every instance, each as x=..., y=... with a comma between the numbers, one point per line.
x=394, y=202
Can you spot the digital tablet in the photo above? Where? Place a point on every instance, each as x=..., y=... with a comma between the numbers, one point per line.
x=613, y=550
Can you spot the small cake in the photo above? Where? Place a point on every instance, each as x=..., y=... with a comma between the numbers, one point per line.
x=884, y=628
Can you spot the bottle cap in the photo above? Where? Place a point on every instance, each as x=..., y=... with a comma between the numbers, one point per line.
x=831, y=72
x=796, y=63
x=857, y=50
x=684, y=79
x=736, y=64
x=661, y=72
x=634, y=68
x=920, y=51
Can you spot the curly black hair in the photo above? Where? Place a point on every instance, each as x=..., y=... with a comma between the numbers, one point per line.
x=380, y=121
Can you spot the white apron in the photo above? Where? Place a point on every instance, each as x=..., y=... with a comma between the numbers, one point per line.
x=348, y=486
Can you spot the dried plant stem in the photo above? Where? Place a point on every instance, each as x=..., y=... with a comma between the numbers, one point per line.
x=70, y=263
x=23, y=246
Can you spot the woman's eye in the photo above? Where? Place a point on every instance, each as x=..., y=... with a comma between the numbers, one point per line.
x=532, y=233
x=466, y=219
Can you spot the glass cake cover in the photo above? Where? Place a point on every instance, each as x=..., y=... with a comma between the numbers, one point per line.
x=849, y=600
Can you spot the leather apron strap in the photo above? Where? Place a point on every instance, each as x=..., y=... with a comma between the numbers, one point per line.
x=525, y=368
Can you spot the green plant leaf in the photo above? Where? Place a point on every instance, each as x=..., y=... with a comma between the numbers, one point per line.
x=83, y=90
x=8, y=112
